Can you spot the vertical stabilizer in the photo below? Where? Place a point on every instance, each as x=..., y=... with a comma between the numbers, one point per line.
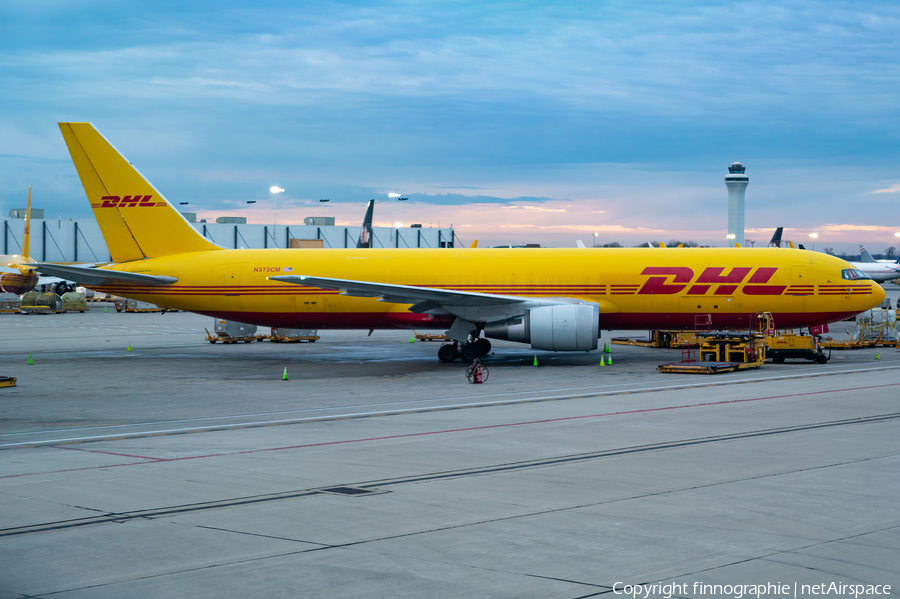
x=775, y=242
x=136, y=220
x=26, y=238
x=865, y=256
x=365, y=236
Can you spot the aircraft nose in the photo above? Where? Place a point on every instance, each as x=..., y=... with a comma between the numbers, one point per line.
x=878, y=295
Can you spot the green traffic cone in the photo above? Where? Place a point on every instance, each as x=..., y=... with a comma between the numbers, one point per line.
x=535, y=360
x=609, y=359
x=602, y=362
x=284, y=376
x=30, y=361
x=129, y=346
x=877, y=355
x=104, y=309
x=412, y=339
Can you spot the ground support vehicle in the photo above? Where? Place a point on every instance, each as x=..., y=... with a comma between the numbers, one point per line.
x=829, y=343
x=40, y=303
x=282, y=335
x=725, y=351
x=9, y=303
x=874, y=328
x=427, y=337
x=228, y=339
x=799, y=347
x=72, y=301
x=130, y=305
x=229, y=331
x=664, y=339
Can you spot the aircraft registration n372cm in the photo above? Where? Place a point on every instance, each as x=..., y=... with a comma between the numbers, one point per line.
x=555, y=299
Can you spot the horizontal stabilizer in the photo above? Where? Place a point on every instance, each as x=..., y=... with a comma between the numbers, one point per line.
x=96, y=276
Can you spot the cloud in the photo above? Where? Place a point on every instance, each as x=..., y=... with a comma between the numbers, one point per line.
x=895, y=188
x=850, y=227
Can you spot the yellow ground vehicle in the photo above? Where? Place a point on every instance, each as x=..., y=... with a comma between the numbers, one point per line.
x=789, y=345
x=725, y=351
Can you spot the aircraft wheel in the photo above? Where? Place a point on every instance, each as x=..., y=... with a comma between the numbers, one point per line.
x=447, y=353
x=778, y=359
x=821, y=359
x=482, y=347
x=468, y=352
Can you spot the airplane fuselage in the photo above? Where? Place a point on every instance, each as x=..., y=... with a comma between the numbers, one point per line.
x=635, y=288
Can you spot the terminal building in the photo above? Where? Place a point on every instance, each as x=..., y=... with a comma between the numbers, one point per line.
x=80, y=240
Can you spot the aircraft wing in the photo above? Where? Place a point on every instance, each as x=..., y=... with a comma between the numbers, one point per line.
x=424, y=298
x=92, y=277
x=469, y=307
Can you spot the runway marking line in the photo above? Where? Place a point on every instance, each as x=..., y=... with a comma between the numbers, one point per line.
x=598, y=391
x=237, y=426
x=377, y=485
x=152, y=460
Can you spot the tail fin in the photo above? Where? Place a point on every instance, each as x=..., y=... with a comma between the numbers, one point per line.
x=865, y=256
x=365, y=235
x=26, y=237
x=136, y=220
x=775, y=242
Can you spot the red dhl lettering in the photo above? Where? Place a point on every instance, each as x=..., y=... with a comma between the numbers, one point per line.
x=713, y=275
x=670, y=280
x=135, y=201
x=657, y=284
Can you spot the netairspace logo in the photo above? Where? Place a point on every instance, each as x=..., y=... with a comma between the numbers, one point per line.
x=738, y=591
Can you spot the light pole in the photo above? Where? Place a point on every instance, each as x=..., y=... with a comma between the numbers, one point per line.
x=595, y=240
x=814, y=236
x=396, y=196
x=276, y=190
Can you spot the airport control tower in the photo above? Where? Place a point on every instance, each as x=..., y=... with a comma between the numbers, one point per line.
x=736, y=182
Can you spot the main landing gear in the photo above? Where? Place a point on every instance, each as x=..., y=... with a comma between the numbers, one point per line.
x=475, y=348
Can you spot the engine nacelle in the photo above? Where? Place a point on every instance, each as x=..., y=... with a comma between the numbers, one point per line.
x=16, y=283
x=564, y=327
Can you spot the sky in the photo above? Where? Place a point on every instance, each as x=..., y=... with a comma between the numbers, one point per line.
x=516, y=122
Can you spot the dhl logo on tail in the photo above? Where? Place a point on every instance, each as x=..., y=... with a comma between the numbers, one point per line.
x=136, y=201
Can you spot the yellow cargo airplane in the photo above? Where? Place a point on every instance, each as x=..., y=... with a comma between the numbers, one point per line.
x=17, y=272
x=554, y=299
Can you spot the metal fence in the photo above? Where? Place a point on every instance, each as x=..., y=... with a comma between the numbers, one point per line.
x=81, y=240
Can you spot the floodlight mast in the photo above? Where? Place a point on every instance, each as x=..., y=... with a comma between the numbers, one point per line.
x=736, y=182
x=275, y=190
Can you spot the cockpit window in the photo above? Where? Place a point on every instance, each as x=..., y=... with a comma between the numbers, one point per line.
x=854, y=274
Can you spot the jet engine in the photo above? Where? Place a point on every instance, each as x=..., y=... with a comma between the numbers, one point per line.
x=563, y=327
x=18, y=283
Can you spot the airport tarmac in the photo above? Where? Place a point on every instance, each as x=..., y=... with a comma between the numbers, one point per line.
x=186, y=469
